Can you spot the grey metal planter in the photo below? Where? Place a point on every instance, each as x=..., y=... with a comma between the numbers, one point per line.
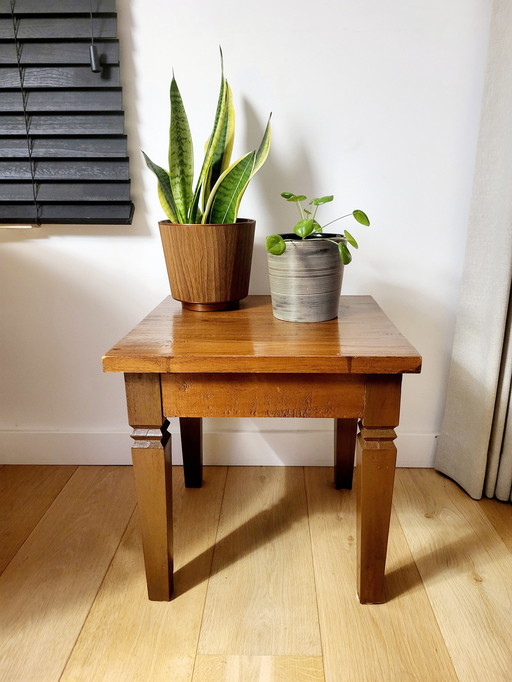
x=305, y=281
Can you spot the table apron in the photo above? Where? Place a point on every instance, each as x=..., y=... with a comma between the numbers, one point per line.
x=263, y=395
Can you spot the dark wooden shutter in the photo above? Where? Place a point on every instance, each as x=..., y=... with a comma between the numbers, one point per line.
x=63, y=155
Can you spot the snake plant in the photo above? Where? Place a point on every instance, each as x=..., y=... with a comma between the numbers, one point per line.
x=221, y=184
x=309, y=225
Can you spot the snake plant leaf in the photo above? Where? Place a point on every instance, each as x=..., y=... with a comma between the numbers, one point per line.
x=221, y=158
x=264, y=148
x=304, y=227
x=225, y=197
x=345, y=254
x=218, y=126
x=275, y=244
x=164, y=190
x=350, y=239
x=181, y=154
x=322, y=200
x=361, y=217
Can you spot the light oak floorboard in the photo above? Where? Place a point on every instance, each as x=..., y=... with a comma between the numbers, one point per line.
x=399, y=640
x=51, y=583
x=466, y=569
x=258, y=669
x=26, y=492
x=126, y=637
x=262, y=584
x=500, y=515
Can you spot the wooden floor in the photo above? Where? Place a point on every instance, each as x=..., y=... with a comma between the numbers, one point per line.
x=265, y=581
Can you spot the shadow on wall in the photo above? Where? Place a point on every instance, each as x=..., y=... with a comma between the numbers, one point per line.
x=277, y=175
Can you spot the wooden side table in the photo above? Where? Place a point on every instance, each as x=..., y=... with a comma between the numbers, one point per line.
x=246, y=363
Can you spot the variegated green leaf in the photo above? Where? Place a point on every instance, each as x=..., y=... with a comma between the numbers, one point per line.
x=164, y=190
x=221, y=158
x=218, y=126
x=264, y=148
x=181, y=154
x=226, y=195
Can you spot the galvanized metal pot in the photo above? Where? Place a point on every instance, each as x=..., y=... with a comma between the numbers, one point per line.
x=305, y=281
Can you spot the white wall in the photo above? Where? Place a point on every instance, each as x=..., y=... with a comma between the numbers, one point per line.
x=376, y=101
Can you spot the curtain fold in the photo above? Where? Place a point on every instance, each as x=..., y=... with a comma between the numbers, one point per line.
x=475, y=444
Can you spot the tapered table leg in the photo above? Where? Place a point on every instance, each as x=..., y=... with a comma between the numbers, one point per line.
x=344, y=451
x=375, y=467
x=151, y=455
x=191, y=429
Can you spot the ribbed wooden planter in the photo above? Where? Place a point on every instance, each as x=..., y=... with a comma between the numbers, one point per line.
x=305, y=281
x=209, y=266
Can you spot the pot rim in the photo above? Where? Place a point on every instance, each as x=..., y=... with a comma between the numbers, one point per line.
x=314, y=236
x=239, y=221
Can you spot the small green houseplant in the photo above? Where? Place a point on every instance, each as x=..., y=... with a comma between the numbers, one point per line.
x=309, y=225
x=203, y=238
x=306, y=266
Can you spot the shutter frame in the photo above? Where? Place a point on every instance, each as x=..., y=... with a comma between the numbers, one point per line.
x=63, y=149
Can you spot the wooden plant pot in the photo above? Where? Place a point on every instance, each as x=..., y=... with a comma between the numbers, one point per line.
x=305, y=281
x=208, y=266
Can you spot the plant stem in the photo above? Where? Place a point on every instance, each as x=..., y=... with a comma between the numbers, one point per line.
x=335, y=219
x=301, y=212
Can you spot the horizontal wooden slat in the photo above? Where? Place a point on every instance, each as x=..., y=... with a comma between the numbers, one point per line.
x=61, y=192
x=57, y=6
x=64, y=147
x=68, y=214
x=59, y=52
x=59, y=77
x=76, y=169
x=61, y=124
x=76, y=27
x=62, y=100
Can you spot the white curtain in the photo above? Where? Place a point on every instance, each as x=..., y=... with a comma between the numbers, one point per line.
x=475, y=445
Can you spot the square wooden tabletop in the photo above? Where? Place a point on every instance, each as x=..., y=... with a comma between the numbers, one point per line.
x=361, y=340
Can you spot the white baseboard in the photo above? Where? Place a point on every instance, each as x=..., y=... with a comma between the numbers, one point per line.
x=269, y=448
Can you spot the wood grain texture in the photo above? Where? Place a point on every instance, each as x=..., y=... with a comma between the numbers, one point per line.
x=72, y=6
x=262, y=395
x=361, y=340
x=500, y=515
x=399, y=640
x=56, y=27
x=126, y=637
x=143, y=401
x=258, y=669
x=108, y=123
x=65, y=147
x=82, y=213
x=262, y=579
x=57, y=53
x=191, y=431
x=466, y=569
x=208, y=263
x=375, y=472
x=115, y=169
x=26, y=493
x=61, y=191
x=152, y=470
x=58, y=77
x=50, y=585
x=345, y=431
